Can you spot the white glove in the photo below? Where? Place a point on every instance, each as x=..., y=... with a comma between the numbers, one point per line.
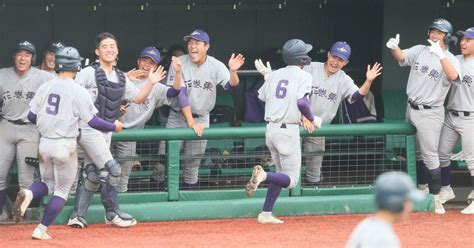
x=317, y=122
x=393, y=42
x=436, y=49
x=262, y=69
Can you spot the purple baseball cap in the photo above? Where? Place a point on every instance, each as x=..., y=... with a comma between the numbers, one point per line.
x=198, y=34
x=469, y=33
x=341, y=49
x=152, y=53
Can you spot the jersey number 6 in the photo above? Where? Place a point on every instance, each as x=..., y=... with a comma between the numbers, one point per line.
x=53, y=102
x=281, y=89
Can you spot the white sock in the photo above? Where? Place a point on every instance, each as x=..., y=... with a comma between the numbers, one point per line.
x=265, y=213
x=42, y=228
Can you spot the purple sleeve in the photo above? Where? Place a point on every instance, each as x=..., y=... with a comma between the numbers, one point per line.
x=172, y=92
x=229, y=86
x=183, y=98
x=32, y=117
x=356, y=96
x=305, y=109
x=101, y=125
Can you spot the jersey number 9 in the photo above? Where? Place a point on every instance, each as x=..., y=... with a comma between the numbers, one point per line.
x=281, y=89
x=53, y=102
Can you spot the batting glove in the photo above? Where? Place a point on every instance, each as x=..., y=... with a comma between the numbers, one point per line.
x=393, y=42
x=436, y=49
x=317, y=122
x=262, y=69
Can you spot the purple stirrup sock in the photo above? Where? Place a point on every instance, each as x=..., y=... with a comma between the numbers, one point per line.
x=52, y=210
x=446, y=176
x=421, y=177
x=472, y=182
x=3, y=198
x=39, y=189
x=272, y=195
x=279, y=179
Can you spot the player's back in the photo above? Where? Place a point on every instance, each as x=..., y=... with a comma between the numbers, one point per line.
x=57, y=104
x=281, y=91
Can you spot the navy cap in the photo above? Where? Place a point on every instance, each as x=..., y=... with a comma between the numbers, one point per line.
x=341, y=49
x=469, y=33
x=152, y=53
x=198, y=34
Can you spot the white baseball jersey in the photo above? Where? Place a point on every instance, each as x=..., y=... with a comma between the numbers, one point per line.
x=427, y=82
x=138, y=114
x=59, y=104
x=17, y=91
x=373, y=232
x=280, y=92
x=201, y=82
x=328, y=91
x=461, y=96
x=86, y=78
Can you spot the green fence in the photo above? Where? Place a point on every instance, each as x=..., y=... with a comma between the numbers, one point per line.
x=378, y=147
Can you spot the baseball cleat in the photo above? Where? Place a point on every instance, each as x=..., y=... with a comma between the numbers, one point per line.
x=37, y=234
x=470, y=197
x=22, y=202
x=268, y=219
x=439, y=209
x=258, y=176
x=77, y=222
x=117, y=221
x=446, y=194
x=469, y=209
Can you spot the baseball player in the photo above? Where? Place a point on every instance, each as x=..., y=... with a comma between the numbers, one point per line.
x=285, y=93
x=200, y=76
x=395, y=193
x=433, y=69
x=108, y=87
x=49, y=56
x=18, y=137
x=330, y=86
x=56, y=109
x=459, y=122
x=138, y=114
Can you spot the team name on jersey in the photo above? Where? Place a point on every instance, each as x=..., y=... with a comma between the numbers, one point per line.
x=322, y=92
x=467, y=80
x=196, y=83
x=17, y=94
x=424, y=69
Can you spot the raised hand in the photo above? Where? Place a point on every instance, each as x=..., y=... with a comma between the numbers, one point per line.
x=176, y=63
x=155, y=76
x=136, y=74
x=392, y=43
x=261, y=68
x=373, y=72
x=436, y=49
x=235, y=62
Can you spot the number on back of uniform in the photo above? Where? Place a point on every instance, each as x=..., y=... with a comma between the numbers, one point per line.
x=53, y=104
x=281, y=89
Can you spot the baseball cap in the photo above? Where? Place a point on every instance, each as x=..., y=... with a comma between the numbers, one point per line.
x=397, y=185
x=55, y=46
x=469, y=33
x=152, y=53
x=198, y=34
x=341, y=49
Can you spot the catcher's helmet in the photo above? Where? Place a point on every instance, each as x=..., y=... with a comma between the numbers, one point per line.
x=392, y=189
x=27, y=46
x=54, y=46
x=68, y=59
x=295, y=52
x=444, y=26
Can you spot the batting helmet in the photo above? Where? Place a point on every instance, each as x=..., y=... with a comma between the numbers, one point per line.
x=68, y=59
x=392, y=189
x=27, y=46
x=444, y=26
x=54, y=46
x=295, y=52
